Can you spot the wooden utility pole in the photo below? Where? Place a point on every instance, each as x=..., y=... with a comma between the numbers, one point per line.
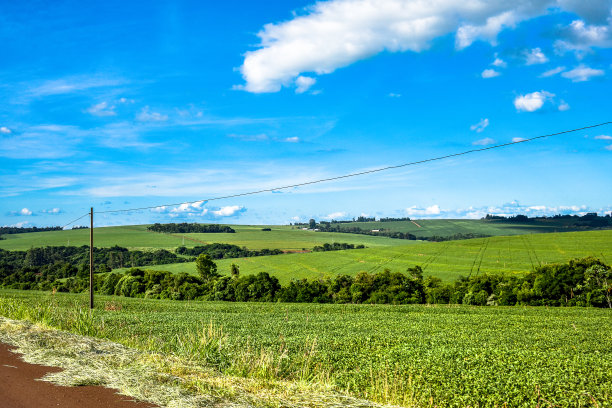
x=91, y=257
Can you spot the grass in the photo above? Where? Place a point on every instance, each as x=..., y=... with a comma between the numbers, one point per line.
x=138, y=237
x=446, y=260
x=427, y=228
x=445, y=356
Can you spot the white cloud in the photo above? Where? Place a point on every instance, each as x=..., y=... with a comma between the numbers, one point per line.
x=603, y=137
x=250, y=138
x=490, y=73
x=228, y=211
x=499, y=63
x=303, y=84
x=419, y=211
x=73, y=84
x=333, y=34
x=552, y=72
x=394, y=95
x=483, y=142
x=335, y=215
x=480, y=126
x=535, y=56
x=5, y=130
x=564, y=106
x=293, y=139
x=582, y=73
x=532, y=102
x=518, y=139
x=102, y=109
x=52, y=211
x=146, y=115
x=608, y=147
x=25, y=211
x=580, y=37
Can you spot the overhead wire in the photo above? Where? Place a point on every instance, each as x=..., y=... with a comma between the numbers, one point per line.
x=73, y=221
x=361, y=173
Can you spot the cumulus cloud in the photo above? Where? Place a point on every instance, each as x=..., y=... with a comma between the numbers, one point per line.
x=552, y=72
x=564, y=106
x=335, y=215
x=293, y=139
x=498, y=62
x=490, y=73
x=24, y=211
x=533, y=101
x=480, y=126
x=228, y=211
x=5, y=130
x=581, y=37
x=303, y=84
x=102, y=109
x=420, y=211
x=146, y=115
x=582, y=73
x=535, y=56
x=333, y=34
x=603, y=137
x=483, y=142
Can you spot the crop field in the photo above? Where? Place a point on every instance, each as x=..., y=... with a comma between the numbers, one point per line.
x=446, y=260
x=138, y=237
x=445, y=356
x=446, y=227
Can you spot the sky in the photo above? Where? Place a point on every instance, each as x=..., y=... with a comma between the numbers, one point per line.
x=118, y=105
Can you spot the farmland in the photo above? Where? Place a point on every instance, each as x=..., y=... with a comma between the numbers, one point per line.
x=446, y=260
x=138, y=237
x=406, y=355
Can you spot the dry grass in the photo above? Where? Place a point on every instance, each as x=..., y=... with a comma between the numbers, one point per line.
x=165, y=380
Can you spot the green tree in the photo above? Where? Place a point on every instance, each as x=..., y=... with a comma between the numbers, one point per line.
x=312, y=224
x=206, y=267
x=235, y=271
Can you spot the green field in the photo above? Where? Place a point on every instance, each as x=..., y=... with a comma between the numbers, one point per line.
x=446, y=227
x=138, y=237
x=445, y=356
x=447, y=260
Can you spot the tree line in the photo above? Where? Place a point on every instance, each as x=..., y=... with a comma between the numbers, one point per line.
x=219, y=251
x=581, y=282
x=185, y=228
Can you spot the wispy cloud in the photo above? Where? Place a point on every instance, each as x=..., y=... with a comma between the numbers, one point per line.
x=338, y=215
x=552, y=72
x=146, y=115
x=303, y=84
x=102, y=109
x=582, y=73
x=73, y=84
x=480, y=126
x=483, y=142
x=603, y=137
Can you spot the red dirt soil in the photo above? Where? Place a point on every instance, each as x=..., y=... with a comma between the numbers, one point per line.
x=19, y=388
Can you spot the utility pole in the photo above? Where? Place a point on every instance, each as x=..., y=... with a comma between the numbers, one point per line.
x=91, y=257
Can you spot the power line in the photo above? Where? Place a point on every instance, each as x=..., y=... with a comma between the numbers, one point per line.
x=361, y=173
x=73, y=221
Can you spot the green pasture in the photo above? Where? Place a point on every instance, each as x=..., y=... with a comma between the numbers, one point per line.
x=446, y=260
x=138, y=237
x=413, y=355
x=427, y=228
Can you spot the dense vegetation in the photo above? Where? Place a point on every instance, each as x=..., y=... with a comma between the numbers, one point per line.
x=336, y=246
x=411, y=356
x=220, y=251
x=22, y=230
x=184, y=228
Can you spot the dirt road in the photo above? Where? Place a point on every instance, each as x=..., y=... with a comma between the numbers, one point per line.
x=20, y=388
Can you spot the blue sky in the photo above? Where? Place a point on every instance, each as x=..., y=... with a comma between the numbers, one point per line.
x=130, y=104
